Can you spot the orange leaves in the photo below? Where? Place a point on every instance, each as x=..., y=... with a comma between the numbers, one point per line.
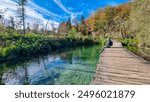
x=90, y=22
x=107, y=16
x=102, y=15
x=123, y=10
x=62, y=27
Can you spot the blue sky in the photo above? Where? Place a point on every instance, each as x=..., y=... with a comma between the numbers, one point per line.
x=57, y=10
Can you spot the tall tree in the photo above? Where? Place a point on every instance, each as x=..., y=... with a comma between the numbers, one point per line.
x=83, y=20
x=69, y=24
x=1, y=17
x=62, y=29
x=12, y=22
x=75, y=23
x=21, y=13
x=140, y=21
x=83, y=27
x=28, y=27
x=2, y=13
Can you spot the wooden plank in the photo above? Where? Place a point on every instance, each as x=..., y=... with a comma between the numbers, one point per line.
x=118, y=66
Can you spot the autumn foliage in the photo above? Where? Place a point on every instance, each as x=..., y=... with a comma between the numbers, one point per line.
x=109, y=20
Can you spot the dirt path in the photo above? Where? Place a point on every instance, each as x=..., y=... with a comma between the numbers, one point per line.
x=119, y=66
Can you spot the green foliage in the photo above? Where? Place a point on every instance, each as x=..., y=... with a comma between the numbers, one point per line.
x=15, y=45
x=68, y=24
x=1, y=52
x=82, y=26
x=72, y=32
x=99, y=25
x=129, y=42
x=140, y=21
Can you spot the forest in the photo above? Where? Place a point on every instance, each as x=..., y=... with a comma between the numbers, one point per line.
x=128, y=22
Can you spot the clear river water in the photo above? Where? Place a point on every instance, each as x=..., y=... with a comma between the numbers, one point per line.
x=69, y=66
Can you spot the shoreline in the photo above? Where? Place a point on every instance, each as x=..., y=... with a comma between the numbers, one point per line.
x=42, y=44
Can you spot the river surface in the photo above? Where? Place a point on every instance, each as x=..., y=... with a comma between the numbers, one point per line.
x=71, y=66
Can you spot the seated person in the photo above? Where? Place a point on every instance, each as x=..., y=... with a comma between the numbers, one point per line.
x=109, y=42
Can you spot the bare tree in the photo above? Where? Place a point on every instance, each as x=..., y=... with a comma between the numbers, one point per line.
x=12, y=22
x=21, y=12
x=28, y=27
x=2, y=21
x=36, y=25
x=46, y=26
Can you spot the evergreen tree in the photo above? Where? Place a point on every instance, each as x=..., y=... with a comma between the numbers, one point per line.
x=83, y=28
x=83, y=20
x=68, y=24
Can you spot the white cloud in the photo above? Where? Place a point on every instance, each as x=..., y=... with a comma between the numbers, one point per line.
x=70, y=8
x=59, y=3
x=8, y=7
x=112, y=3
x=42, y=10
x=33, y=11
x=72, y=14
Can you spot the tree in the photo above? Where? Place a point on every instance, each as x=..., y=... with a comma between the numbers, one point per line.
x=68, y=24
x=62, y=28
x=75, y=23
x=21, y=12
x=1, y=17
x=28, y=27
x=140, y=21
x=82, y=26
x=83, y=20
x=12, y=22
x=35, y=25
x=100, y=21
x=2, y=13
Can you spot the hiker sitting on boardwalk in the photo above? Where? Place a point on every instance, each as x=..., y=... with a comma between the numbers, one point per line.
x=109, y=43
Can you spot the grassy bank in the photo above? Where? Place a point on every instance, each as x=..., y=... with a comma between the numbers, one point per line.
x=133, y=46
x=15, y=45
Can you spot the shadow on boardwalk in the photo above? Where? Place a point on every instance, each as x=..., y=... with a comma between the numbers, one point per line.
x=118, y=66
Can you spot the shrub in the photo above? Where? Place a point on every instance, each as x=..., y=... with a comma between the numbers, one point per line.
x=29, y=44
x=129, y=42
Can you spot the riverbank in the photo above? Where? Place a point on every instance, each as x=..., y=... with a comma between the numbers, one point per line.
x=133, y=46
x=16, y=45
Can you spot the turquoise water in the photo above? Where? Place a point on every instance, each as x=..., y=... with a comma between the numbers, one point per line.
x=73, y=66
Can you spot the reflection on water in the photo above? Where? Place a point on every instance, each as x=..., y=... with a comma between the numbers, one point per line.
x=70, y=66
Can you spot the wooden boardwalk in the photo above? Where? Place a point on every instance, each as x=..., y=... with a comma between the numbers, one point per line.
x=118, y=66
